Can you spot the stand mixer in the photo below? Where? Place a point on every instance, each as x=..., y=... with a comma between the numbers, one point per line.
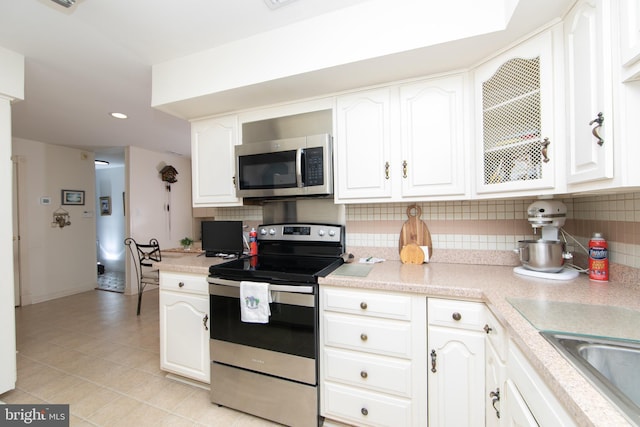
x=545, y=257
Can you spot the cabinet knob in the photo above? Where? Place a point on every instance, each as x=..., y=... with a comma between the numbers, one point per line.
x=363, y=305
x=181, y=284
x=487, y=328
x=456, y=316
x=364, y=374
x=364, y=411
x=364, y=337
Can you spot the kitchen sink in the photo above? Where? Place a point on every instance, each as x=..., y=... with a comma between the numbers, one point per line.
x=612, y=366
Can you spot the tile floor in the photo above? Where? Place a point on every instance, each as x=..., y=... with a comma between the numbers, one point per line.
x=113, y=281
x=92, y=352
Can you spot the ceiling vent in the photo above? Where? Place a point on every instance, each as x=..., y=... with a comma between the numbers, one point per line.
x=65, y=3
x=273, y=4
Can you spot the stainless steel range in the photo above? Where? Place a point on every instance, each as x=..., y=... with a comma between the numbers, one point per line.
x=271, y=369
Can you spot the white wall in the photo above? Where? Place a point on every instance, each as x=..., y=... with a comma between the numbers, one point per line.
x=55, y=262
x=11, y=88
x=146, y=203
x=110, y=229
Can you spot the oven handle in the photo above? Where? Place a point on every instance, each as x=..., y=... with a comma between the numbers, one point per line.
x=277, y=288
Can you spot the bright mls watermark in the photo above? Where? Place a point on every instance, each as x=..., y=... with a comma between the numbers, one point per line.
x=34, y=415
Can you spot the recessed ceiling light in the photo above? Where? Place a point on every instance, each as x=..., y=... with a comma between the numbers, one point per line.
x=65, y=3
x=274, y=4
x=100, y=162
x=118, y=115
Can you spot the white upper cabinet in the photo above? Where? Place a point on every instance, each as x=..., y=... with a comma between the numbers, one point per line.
x=519, y=144
x=629, y=15
x=589, y=92
x=362, y=146
x=213, y=162
x=433, y=126
x=404, y=142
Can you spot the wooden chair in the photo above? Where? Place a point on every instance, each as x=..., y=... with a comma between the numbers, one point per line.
x=144, y=255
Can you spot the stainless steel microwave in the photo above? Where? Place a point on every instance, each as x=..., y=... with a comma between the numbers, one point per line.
x=286, y=167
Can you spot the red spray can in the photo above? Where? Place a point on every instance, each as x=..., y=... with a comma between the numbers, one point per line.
x=253, y=242
x=598, y=258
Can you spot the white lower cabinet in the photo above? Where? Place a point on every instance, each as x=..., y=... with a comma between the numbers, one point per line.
x=456, y=343
x=529, y=402
x=373, y=349
x=184, y=325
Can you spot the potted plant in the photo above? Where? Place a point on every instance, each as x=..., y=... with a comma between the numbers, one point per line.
x=186, y=243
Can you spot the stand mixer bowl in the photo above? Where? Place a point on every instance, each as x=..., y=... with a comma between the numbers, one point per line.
x=542, y=255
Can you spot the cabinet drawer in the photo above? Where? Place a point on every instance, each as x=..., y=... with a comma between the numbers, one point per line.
x=456, y=314
x=184, y=282
x=365, y=408
x=386, y=337
x=376, y=373
x=367, y=303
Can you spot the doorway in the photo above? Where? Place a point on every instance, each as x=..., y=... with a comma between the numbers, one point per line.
x=110, y=221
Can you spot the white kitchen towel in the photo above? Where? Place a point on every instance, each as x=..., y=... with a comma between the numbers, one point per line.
x=254, y=302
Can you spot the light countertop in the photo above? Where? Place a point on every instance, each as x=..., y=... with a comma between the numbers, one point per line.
x=542, y=300
x=610, y=305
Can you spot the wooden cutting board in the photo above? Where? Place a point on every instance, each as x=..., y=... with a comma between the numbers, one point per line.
x=412, y=254
x=414, y=230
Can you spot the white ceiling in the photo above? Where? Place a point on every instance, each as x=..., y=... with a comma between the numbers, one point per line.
x=96, y=57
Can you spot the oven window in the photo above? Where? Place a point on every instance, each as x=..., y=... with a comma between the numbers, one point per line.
x=290, y=329
x=268, y=171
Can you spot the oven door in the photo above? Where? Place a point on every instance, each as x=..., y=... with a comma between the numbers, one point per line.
x=286, y=346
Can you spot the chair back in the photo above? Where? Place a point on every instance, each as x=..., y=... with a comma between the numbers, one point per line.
x=144, y=254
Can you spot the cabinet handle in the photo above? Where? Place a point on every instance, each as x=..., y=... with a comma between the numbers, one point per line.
x=456, y=316
x=364, y=374
x=495, y=398
x=204, y=322
x=364, y=411
x=386, y=170
x=404, y=169
x=181, y=284
x=487, y=328
x=363, y=305
x=433, y=361
x=364, y=337
x=595, y=130
x=233, y=179
x=545, y=145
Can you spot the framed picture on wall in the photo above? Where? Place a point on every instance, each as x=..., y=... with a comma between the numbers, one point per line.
x=72, y=197
x=105, y=205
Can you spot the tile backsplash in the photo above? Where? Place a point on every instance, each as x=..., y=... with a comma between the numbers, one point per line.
x=493, y=226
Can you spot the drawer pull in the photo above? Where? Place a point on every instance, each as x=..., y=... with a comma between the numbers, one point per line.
x=181, y=284
x=364, y=337
x=363, y=305
x=433, y=361
x=364, y=374
x=364, y=411
x=487, y=328
x=456, y=316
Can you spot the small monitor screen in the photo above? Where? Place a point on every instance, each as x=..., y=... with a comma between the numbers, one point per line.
x=222, y=237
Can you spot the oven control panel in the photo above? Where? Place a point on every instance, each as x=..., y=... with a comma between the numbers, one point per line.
x=301, y=232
